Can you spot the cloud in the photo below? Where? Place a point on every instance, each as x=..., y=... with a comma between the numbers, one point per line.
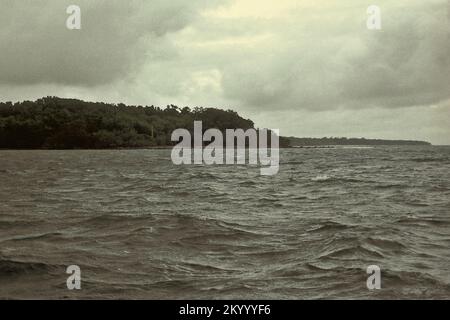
x=253, y=54
x=116, y=37
x=330, y=60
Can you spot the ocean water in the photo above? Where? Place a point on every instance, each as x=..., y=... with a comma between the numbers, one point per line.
x=142, y=228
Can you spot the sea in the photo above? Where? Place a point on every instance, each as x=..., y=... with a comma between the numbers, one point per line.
x=139, y=227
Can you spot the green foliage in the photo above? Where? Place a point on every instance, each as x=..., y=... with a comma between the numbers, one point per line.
x=55, y=123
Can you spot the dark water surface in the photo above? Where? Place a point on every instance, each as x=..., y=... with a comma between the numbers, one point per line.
x=140, y=227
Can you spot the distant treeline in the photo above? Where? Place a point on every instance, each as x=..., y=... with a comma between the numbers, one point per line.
x=351, y=142
x=55, y=123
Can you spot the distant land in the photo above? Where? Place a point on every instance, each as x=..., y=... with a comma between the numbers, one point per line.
x=57, y=123
x=303, y=142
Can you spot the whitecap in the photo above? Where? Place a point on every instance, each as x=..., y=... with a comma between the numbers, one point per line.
x=323, y=177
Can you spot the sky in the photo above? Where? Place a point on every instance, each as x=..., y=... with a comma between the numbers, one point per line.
x=309, y=68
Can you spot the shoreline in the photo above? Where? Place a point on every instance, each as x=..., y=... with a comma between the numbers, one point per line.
x=170, y=147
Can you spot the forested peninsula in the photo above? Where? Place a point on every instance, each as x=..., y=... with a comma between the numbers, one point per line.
x=57, y=123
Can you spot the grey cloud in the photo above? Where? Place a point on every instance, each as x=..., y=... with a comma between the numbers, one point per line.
x=405, y=64
x=116, y=37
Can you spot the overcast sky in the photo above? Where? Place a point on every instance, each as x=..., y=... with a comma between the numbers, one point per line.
x=309, y=68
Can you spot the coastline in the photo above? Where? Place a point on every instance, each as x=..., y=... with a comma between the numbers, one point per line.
x=170, y=147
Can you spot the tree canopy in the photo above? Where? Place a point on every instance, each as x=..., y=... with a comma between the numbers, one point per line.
x=56, y=123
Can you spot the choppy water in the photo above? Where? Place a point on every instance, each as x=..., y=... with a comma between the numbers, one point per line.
x=140, y=227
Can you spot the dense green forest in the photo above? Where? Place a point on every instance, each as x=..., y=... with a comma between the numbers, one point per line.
x=293, y=141
x=55, y=123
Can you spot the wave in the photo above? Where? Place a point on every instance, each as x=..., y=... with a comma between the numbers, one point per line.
x=329, y=226
x=390, y=186
x=327, y=178
x=415, y=280
x=248, y=183
x=424, y=221
x=36, y=236
x=317, y=266
x=321, y=178
x=386, y=244
x=10, y=267
x=427, y=159
x=357, y=252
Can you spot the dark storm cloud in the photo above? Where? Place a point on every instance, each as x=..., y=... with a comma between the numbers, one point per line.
x=116, y=37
